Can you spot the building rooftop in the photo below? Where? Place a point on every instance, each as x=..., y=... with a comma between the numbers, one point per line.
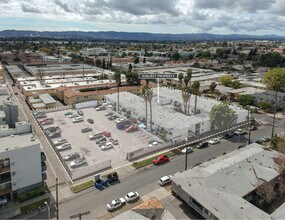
x=221, y=184
x=47, y=99
x=13, y=142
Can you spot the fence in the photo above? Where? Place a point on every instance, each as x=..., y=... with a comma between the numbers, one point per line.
x=86, y=104
x=168, y=145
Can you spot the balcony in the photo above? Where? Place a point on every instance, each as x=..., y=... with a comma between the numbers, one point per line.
x=5, y=191
x=43, y=157
x=5, y=180
x=4, y=169
x=44, y=166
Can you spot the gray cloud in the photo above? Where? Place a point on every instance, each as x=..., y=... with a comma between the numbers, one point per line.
x=30, y=8
x=64, y=5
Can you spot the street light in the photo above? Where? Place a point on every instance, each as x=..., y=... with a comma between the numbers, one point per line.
x=48, y=208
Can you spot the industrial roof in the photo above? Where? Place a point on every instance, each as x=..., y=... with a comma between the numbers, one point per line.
x=221, y=184
x=47, y=99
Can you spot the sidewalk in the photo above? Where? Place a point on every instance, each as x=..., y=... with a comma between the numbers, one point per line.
x=12, y=209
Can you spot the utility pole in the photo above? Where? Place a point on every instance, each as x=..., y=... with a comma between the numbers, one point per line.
x=56, y=202
x=79, y=215
x=250, y=125
x=186, y=159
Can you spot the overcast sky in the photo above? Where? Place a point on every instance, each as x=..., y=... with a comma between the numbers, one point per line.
x=156, y=16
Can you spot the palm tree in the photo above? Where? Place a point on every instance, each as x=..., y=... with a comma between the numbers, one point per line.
x=189, y=74
x=180, y=78
x=275, y=80
x=186, y=98
x=144, y=93
x=195, y=91
x=212, y=88
x=117, y=77
x=149, y=99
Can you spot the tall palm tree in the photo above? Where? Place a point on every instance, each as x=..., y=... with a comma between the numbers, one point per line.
x=212, y=88
x=189, y=74
x=180, y=78
x=186, y=95
x=117, y=77
x=275, y=80
x=195, y=91
x=149, y=98
x=144, y=93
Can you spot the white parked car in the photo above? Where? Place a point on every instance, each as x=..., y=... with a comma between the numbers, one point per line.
x=239, y=132
x=165, y=180
x=115, y=204
x=60, y=141
x=107, y=146
x=214, y=141
x=71, y=156
x=132, y=196
x=187, y=150
x=74, y=115
x=64, y=146
x=78, y=119
x=78, y=162
x=152, y=144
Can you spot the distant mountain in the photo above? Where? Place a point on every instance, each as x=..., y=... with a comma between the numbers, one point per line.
x=132, y=36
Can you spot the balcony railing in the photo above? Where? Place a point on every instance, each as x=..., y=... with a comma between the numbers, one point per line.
x=4, y=169
x=5, y=191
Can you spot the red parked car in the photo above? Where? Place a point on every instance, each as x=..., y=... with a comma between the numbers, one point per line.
x=160, y=159
x=106, y=133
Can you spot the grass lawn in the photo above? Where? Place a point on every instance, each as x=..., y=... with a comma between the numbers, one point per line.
x=82, y=186
x=31, y=193
x=149, y=161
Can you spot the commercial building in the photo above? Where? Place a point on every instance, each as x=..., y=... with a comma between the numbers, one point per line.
x=41, y=101
x=197, y=74
x=15, y=72
x=168, y=118
x=94, y=52
x=20, y=164
x=58, y=59
x=226, y=187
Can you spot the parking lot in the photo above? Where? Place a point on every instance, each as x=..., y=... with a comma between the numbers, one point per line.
x=81, y=144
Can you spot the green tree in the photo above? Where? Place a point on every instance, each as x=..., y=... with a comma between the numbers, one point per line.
x=176, y=56
x=245, y=99
x=130, y=67
x=110, y=63
x=213, y=88
x=226, y=80
x=132, y=77
x=222, y=116
x=144, y=60
x=219, y=52
x=180, y=78
x=266, y=106
x=275, y=80
x=104, y=64
x=136, y=59
x=235, y=84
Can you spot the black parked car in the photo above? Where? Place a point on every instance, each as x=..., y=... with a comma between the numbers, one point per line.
x=203, y=145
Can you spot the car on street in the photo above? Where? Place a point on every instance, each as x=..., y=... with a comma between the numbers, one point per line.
x=106, y=146
x=265, y=139
x=60, y=141
x=241, y=145
x=229, y=135
x=239, y=131
x=160, y=159
x=74, y=115
x=226, y=152
x=132, y=197
x=64, y=146
x=254, y=128
x=71, y=156
x=115, y=204
x=78, y=162
x=78, y=119
x=202, y=145
x=212, y=158
x=214, y=141
x=258, y=141
x=187, y=150
x=165, y=180
x=90, y=120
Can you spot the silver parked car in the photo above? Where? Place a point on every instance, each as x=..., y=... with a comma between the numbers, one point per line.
x=78, y=162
